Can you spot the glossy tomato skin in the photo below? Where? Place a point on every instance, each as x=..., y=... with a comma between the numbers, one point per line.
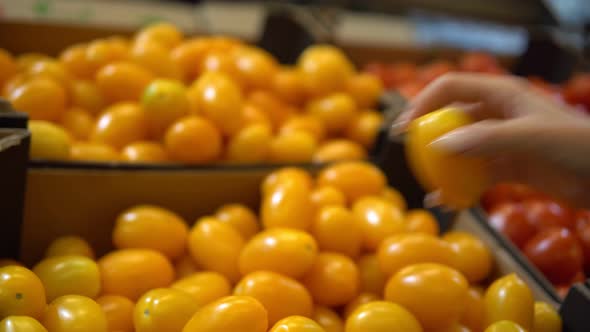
x=205, y=287
x=74, y=313
x=583, y=234
x=287, y=205
x=511, y=220
x=328, y=319
x=21, y=324
x=544, y=214
x=547, y=319
x=21, y=292
x=505, y=193
x=509, y=298
x=333, y=279
x=505, y=326
x=382, y=316
x=231, y=313
x=118, y=311
x=296, y=324
x=557, y=253
x=472, y=257
x=163, y=309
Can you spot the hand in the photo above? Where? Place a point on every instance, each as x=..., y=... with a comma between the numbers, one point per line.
x=527, y=137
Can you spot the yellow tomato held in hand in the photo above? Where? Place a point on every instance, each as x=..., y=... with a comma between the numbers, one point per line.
x=382, y=316
x=286, y=251
x=239, y=216
x=460, y=180
x=287, y=205
x=118, y=311
x=164, y=101
x=363, y=298
x=509, y=298
x=66, y=275
x=377, y=220
x=354, y=178
x=472, y=256
x=163, y=309
x=328, y=319
x=436, y=294
x=205, y=287
x=336, y=229
x=296, y=324
x=21, y=324
x=21, y=292
x=74, y=313
x=280, y=295
x=123, y=272
x=216, y=246
x=333, y=279
x=505, y=326
x=232, y=313
x=546, y=319
x=372, y=277
x=326, y=196
x=48, y=141
x=151, y=227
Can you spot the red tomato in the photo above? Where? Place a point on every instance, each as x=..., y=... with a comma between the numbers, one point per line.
x=543, y=214
x=400, y=73
x=582, y=218
x=577, y=90
x=505, y=192
x=478, y=62
x=434, y=70
x=556, y=252
x=510, y=219
x=583, y=233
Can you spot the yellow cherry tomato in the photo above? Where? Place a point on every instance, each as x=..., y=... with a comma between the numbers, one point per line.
x=21, y=292
x=51, y=69
x=118, y=311
x=327, y=319
x=120, y=124
x=65, y=275
x=363, y=298
x=216, y=246
x=372, y=277
x=292, y=147
x=151, y=227
x=286, y=175
x=123, y=272
x=509, y=298
x=163, y=309
x=297, y=324
x=473, y=316
x=103, y=52
x=393, y=195
x=287, y=205
x=505, y=326
x=339, y=150
x=288, y=85
x=472, y=256
x=287, y=251
x=354, y=179
x=185, y=266
x=205, y=287
x=365, y=89
x=335, y=229
x=421, y=221
x=307, y=123
x=333, y=279
x=189, y=53
x=21, y=324
x=460, y=180
x=324, y=69
x=252, y=114
x=164, y=33
x=164, y=101
x=327, y=195
x=85, y=95
x=78, y=122
x=8, y=66
x=232, y=313
x=154, y=57
x=74, y=60
x=377, y=220
x=122, y=81
x=365, y=127
x=250, y=144
x=239, y=216
x=74, y=313
x=546, y=318
x=90, y=151
x=144, y=152
x=434, y=293
x=280, y=295
x=193, y=139
x=335, y=111
x=382, y=316
x=48, y=141
x=402, y=250
x=254, y=67
x=274, y=108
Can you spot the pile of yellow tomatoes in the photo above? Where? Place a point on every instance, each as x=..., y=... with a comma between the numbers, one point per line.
x=161, y=97
x=335, y=253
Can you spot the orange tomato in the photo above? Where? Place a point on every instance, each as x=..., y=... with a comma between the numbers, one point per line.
x=255, y=68
x=232, y=313
x=74, y=313
x=421, y=221
x=42, y=98
x=218, y=98
x=364, y=128
x=144, y=152
x=336, y=229
x=239, y=216
x=204, y=287
x=461, y=180
x=281, y=296
x=324, y=69
x=335, y=111
x=286, y=251
x=48, y=141
x=250, y=145
x=382, y=316
x=132, y=272
x=194, y=140
x=156, y=59
x=74, y=60
x=122, y=81
x=288, y=204
x=365, y=89
x=90, y=151
x=339, y=150
x=151, y=227
x=354, y=178
x=164, y=101
x=297, y=324
x=8, y=67
x=307, y=123
x=333, y=279
x=372, y=278
x=377, y=219
x=164, y=33
x=289, y=86
x=509, y=298
x=67, y=275
x=473, y=315
x=120, y=124
x=472, y=256
x=218, y=62
x=51, y=69
x=216, y=246
x=252, y=114
x=363, y=298
x=26, y=60
x=78, y=122
x=328, y=319
x=294, y=147
x=163, y=309
x=327, y=195
x=274, y=108
x=21, y=324
x=286, y=175
x=188, y=54
x=434, y=293
x=402, y=250
x=185, y=266
x=118, y=311
x=85, y=95
x=393, y=195
x=13, y=83
x=102, y=52
x=21, y=292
